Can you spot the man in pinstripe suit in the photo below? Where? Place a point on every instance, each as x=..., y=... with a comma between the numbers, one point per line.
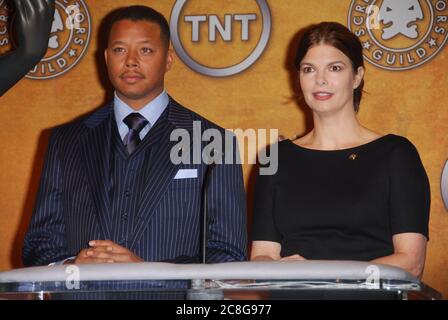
x=109, y=191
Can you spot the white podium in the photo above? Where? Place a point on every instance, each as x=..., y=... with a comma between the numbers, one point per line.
x=233, y=280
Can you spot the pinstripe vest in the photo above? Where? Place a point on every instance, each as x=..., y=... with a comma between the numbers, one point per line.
x=128, y=179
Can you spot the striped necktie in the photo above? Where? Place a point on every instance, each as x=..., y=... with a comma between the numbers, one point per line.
x=135, y=122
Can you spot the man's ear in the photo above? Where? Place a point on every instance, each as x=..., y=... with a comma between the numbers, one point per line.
x=105, y=55
x=359, y=75
x=169, y=60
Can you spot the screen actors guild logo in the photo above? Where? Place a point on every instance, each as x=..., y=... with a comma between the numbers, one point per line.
x=69, y=38
x=220, y=44
x=399, y=34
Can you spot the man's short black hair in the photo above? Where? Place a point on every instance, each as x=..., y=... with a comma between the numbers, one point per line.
x=141, y=13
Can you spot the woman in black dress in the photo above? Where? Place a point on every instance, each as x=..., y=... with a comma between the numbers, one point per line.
x=342, y=191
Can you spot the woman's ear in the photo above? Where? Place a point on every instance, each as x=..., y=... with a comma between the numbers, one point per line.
x=359, y=75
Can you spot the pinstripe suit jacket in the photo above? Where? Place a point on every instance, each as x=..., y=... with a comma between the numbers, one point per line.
x=73, y=205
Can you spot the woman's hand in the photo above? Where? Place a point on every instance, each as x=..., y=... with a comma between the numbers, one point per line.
x=294, y=257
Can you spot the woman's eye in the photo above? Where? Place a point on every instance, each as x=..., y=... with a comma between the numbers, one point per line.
x=335, y=68
x=307, y=69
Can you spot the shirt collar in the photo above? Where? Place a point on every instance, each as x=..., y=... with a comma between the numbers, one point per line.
x=151, y=111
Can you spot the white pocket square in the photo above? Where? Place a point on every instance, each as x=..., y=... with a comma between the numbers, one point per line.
x=186, y=174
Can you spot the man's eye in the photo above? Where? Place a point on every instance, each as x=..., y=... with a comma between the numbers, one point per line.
x=118, y=50
x=146, y=50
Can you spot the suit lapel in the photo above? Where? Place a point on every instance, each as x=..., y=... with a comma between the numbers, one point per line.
x=162, y=170
x=160, y=174
x=96, y=148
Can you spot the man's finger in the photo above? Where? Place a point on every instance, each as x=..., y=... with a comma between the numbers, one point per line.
x=107, y=243
x=99, y=254
x=93, y=261
x=101, y=249
x=124, y=257
x=101, y=243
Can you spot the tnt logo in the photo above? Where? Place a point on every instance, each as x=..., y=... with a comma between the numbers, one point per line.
x=399, y=34
x=214, y=26
x=223, y=40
